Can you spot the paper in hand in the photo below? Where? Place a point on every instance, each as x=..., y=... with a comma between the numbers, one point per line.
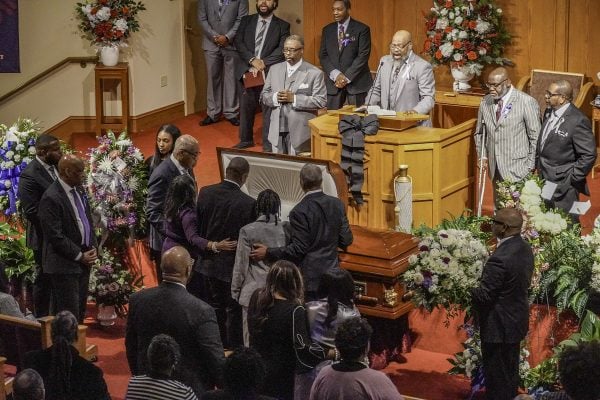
x=580, y=207
x=548, y=190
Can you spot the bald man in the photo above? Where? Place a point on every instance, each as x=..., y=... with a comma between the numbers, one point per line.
x=512, y=124
x=405, y=81
x=169, y=309
x=69, y=247
x=501, y=305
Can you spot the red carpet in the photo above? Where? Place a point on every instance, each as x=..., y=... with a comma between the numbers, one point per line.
x=423, y=375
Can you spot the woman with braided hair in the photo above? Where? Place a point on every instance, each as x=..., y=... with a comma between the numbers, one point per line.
x=67, y=375
x=250, y=275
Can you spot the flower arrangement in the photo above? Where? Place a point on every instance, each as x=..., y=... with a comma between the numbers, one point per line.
x=108, y=22
x=465, y=33
x=117, y=182
x=17, y=149
x=448, y=265
x=17, y=258
x=111, y=284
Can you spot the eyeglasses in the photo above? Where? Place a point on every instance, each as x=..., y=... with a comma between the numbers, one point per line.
x=291, y=49
x=399, y=46
x=549, y=94
x=495, y=85
x=195, y=155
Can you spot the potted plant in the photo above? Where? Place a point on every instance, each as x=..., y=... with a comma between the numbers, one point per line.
x=17, y=260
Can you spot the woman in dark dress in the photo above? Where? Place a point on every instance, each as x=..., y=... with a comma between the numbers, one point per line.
x=165, y=140
x=279, y=330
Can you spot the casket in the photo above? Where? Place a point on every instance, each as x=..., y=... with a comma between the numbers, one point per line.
x=376, y=258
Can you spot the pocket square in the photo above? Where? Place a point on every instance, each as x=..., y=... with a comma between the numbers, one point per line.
x=303, y=86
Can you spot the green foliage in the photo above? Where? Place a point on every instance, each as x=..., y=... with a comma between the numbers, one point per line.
x=464, y=222
x=17, y=258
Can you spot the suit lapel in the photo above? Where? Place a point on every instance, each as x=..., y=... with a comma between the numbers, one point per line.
x=66, y=201
x=42, y=172
x=252, y=28
x=298, y=77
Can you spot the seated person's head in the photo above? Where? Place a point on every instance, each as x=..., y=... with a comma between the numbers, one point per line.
x=28, y=385
x=579, y=371
x=163, y=355
x=337, y=286
x=352, y=339
x=64, y=328
x=285, y=279
x=244, y=371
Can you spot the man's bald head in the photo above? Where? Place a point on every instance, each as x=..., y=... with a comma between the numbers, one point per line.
x=511, y=221
x=311, y=177
x=238, y=170
x=71, y=170
x=401, y=45
x=402, y=36
x=176, y=265
x=499, y=72
x=498, y=82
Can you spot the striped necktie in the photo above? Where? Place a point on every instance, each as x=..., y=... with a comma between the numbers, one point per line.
x=341, y=37
x=259, y=38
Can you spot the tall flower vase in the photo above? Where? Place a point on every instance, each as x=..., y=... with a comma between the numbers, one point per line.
x=109, y=55
x=106, y=315
x=461, y=76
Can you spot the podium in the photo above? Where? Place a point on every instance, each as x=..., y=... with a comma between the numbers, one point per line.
x=441, y=163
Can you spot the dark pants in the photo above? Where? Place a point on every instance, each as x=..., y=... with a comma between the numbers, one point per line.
x=42, y=289
x=228, y=311
x=500, y=369
x=156, y=255
x=249, y=102
x=70, y=292
x=336, y=101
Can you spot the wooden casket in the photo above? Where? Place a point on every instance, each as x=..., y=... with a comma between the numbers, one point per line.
x=376, y=259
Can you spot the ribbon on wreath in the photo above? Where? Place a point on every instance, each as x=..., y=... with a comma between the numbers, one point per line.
x=353, y=129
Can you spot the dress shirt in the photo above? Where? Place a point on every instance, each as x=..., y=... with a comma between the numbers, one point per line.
x=500, y=241
x=334, y=73
x=67, y=188
x=258, y=26
x=234, y=182
x=48, y=168
x=504, y=101
x=180, y=168
x=555, y=116
x=290, y=71
x=311, y=192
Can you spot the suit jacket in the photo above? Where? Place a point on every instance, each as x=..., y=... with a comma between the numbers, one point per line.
x=569, y=152
x=272, y=48
x=170, y=309
x=308, y=85
x=225, y=23
x=62, y=238
x=416, y=86
x=223, y=209
x=501, y=301
x=352, y=60
x=318, y=227
x=155, y=202
x=33, y=182
x=511, y=141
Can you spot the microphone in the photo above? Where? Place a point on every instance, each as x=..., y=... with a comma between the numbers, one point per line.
x=374, y=83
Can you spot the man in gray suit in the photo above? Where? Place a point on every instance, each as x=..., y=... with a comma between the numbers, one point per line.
x=509, y=124
x=405, y=81
x=295, y=91
x=220, y=20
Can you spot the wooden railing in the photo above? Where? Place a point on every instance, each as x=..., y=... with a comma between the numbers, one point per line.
x=82, y=61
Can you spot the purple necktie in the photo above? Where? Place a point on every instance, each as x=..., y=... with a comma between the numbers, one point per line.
x=82, y=217
x=498, y=109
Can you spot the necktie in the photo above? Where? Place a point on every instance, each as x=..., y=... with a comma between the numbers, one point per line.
x=82, y=217
x=498, y=109
x=395, y=74
x=341, y=37
x=549, y=125
x=52, y=173
x=259, y=38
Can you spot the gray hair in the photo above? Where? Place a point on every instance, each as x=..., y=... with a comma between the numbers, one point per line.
x=185, y=142
x=297, y=38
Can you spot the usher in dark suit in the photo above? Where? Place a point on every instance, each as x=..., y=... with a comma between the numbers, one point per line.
x=34, y=181
x=271, y=53
x=352, y=61
x=318, y=227
x=62, y=244
x=501, y=305
x=170, y=309
x=223, y=209
x=567, y=156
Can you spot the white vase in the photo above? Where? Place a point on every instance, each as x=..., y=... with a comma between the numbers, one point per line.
x=109, y=55
x=461, y=76
x=106, y=315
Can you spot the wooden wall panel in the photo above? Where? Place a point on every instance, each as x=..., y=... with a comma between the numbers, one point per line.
x=547, y=34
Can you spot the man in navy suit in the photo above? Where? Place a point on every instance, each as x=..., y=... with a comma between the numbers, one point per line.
x=566, y=150
x=259, y=44
x=344, y=56
x=501, y=304
x=35, y=179
x=69, y=247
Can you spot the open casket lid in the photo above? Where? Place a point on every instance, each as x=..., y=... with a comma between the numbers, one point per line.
x=281, y=173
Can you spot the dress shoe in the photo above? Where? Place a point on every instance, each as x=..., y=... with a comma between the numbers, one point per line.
x=207, y=121
x=234, y=121
x=243, y=145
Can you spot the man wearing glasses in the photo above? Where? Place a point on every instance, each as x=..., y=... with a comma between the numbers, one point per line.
x=501, y=305
x=405, y=81
x=508, y=126
x=295, y=91
x=566, y=150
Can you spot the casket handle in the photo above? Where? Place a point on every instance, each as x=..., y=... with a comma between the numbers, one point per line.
x=408, y=296
x=366, y=300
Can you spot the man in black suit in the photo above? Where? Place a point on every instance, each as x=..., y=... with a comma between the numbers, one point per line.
x=169, y=309
x=35, y=179
x=259, y=44
x=566, y=150
x=501, y=305
x=319, y=226
x=181, y=162
x=69, y=246
x=344, y=56
x=223, y=209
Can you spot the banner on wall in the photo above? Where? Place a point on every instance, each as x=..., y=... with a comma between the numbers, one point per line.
x=9, y=36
